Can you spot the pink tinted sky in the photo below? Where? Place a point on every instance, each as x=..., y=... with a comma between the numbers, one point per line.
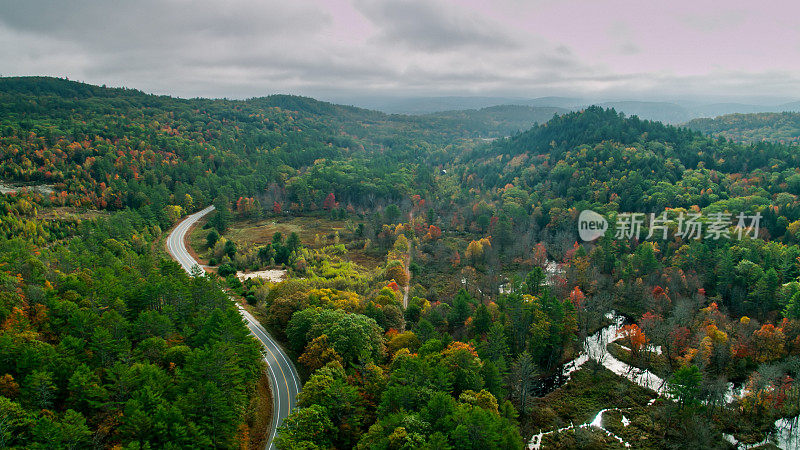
x=244, y=48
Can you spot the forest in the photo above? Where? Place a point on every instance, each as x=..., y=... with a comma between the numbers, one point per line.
x=435, y=285
x=782, y=127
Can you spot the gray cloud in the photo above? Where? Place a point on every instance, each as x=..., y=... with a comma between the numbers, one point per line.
x=151, y=23
x=430, y=25
x=717, y=20
x=245, y=48
x=623, y=38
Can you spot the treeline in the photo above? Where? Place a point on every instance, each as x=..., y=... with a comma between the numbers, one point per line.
x=118, y=148
x=102, y=344
x=721, y=310
x=381, y=376
x=482, y=236
x=783, y=128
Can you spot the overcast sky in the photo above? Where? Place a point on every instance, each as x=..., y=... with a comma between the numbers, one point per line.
x=340, y=48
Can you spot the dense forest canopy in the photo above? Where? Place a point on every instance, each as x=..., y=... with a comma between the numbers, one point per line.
x=437, y=313
x=783, y=128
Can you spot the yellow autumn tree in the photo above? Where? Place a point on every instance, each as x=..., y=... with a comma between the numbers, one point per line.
x=336, y=299
x=395, y=270
x=401, y=244
x=769, y=342
x=406, y=339
x=483, y=399
x=173, y=213
x=318, y=353
x=714, y=339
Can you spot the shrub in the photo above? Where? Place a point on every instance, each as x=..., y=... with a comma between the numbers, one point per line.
x=226, y=269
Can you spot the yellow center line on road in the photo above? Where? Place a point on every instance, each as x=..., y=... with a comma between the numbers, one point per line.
x=177, y=247
x=285, y=381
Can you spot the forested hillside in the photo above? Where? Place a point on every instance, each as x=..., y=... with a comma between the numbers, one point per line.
x=498, y=121
x=782, y=127
x=435, y=283
x=104, y=342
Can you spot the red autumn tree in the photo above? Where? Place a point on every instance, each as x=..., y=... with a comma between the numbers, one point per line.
x=650, y=320
x=330, y=202
x=540, y=256
x=577, y=297
x=680, y=337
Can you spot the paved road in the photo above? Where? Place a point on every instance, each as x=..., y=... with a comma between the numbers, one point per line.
x=283, y=377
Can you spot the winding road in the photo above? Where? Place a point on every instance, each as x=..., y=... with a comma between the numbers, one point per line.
x=283, y=378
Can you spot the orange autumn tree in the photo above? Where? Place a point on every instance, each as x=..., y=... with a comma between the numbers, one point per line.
x=577, y=297
x=434, y=233
x=634, y=337
x=417, y=201
x=769, y=342
x=8, y=386
x=396, y=271
x=464, y=364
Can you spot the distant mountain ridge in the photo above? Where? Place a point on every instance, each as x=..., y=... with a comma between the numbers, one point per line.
x=62, y=87
x=428, y=105
x=781, y=127
x=490, y=122
x=662, y=111
x=501, y=121
x=475, y=116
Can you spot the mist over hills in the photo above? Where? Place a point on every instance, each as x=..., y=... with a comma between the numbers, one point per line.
x=516, y=113
x=672, y=112
x=427, y=105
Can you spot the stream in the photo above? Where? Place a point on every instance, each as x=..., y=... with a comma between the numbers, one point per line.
x=786, y=436
x=595, y=348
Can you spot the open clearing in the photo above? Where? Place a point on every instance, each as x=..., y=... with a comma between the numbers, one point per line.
x=271, y=275
x=69, y=213
x=315, y=231
x=260, y=232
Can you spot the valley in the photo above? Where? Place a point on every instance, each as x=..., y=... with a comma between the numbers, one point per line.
x=400, y=281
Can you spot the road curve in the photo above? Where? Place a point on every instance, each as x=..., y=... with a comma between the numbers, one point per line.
x=283, y=377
